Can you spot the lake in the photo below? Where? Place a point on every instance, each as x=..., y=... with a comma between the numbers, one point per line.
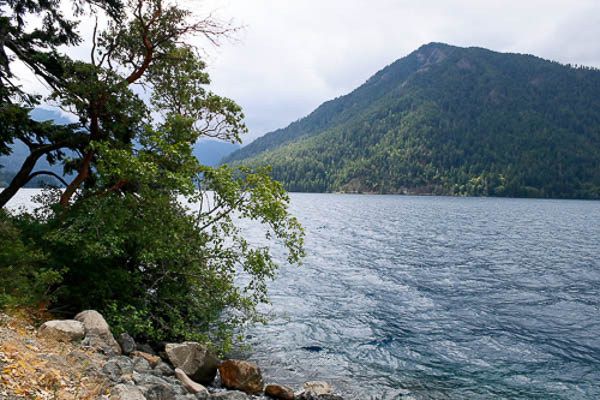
x=438, y=298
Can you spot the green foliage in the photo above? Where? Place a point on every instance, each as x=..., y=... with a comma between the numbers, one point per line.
x=144, y=233
x=448, y=121
x=25, y=281
x=163, y=270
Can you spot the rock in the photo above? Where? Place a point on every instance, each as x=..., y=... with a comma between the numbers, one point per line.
x=317, y=387
x=117, y=367
x=241, y=375
x=197, y=361
x=126, y=392
x=231, y=395
x=309, y=395
x=279, y=392
x=141, y=364
x=152, y=360
x=127, y=343
x=330, y=396
x=189, y=384
x=95, y=325
x=160, y=392
x=98, y=344
x=163, y=369
x=67, y=330
x=146, y=348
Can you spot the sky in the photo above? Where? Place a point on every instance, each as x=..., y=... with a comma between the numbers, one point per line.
x=291, y=56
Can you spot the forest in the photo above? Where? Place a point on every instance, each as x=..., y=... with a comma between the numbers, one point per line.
x=447, y=120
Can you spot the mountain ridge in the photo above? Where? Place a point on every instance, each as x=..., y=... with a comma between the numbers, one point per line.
x=443, y=118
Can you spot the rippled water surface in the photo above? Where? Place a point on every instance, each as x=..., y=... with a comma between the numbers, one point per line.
x=440, y=298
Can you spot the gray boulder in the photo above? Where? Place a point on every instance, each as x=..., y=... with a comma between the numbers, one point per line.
x=117, y=368
x=126, y=392
x=197, y=361
x=163, y=369
x=127, y=343
x=98, y=332
x=229, y=395
x=62, y=330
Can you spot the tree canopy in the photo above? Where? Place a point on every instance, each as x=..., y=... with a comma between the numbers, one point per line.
x=120, y=238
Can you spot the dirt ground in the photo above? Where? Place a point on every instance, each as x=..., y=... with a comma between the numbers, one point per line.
x=34, y=368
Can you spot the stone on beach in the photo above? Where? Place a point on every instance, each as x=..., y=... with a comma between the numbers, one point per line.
x=279, y=392
x=241, y=375
x=127, y=343
x=197, y=361
x=67, y=330
x=189, y=384
x=97, y=328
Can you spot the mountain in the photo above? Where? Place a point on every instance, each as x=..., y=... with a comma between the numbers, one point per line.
x=210, y=152
x=451, y=121
x=12, y=162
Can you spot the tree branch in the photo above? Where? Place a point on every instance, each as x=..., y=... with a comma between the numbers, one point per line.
x=36, y=173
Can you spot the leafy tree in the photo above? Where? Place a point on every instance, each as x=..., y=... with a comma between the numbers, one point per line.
x=36, y=47
x=119, y=234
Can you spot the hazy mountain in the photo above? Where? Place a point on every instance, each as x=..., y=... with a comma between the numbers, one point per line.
x=448, y=120
x=208, y=152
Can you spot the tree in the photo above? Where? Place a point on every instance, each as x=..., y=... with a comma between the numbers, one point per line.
x=36, y=48
x=119, y=234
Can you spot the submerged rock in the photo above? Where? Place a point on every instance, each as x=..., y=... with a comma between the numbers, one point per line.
x=317, y=387
x=67, y=330
x=197, y=361
x=241, y=375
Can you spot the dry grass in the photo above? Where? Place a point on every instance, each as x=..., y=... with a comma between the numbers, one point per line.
x=36, y=368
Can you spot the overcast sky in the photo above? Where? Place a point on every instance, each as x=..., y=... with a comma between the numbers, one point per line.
x=293, y=55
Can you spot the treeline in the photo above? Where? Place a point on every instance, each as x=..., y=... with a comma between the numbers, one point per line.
x=462, y=122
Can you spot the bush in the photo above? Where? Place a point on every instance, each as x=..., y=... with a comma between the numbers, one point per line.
x=25, y=281
x=162, y=270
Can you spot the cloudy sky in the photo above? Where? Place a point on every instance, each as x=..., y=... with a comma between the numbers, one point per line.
x=293, y=55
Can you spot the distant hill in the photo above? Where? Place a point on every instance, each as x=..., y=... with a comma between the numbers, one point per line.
x=208, y=152
x=12, y=163
x=451, y=121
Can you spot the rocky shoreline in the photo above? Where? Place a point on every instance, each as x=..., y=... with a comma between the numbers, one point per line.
x=108, y=369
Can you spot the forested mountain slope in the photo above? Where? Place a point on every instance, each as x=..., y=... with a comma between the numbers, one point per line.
x=448, y=120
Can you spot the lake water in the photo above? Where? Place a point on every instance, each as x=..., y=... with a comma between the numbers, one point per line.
x=439, y=298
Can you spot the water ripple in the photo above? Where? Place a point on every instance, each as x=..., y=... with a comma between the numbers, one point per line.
x=440, y=298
